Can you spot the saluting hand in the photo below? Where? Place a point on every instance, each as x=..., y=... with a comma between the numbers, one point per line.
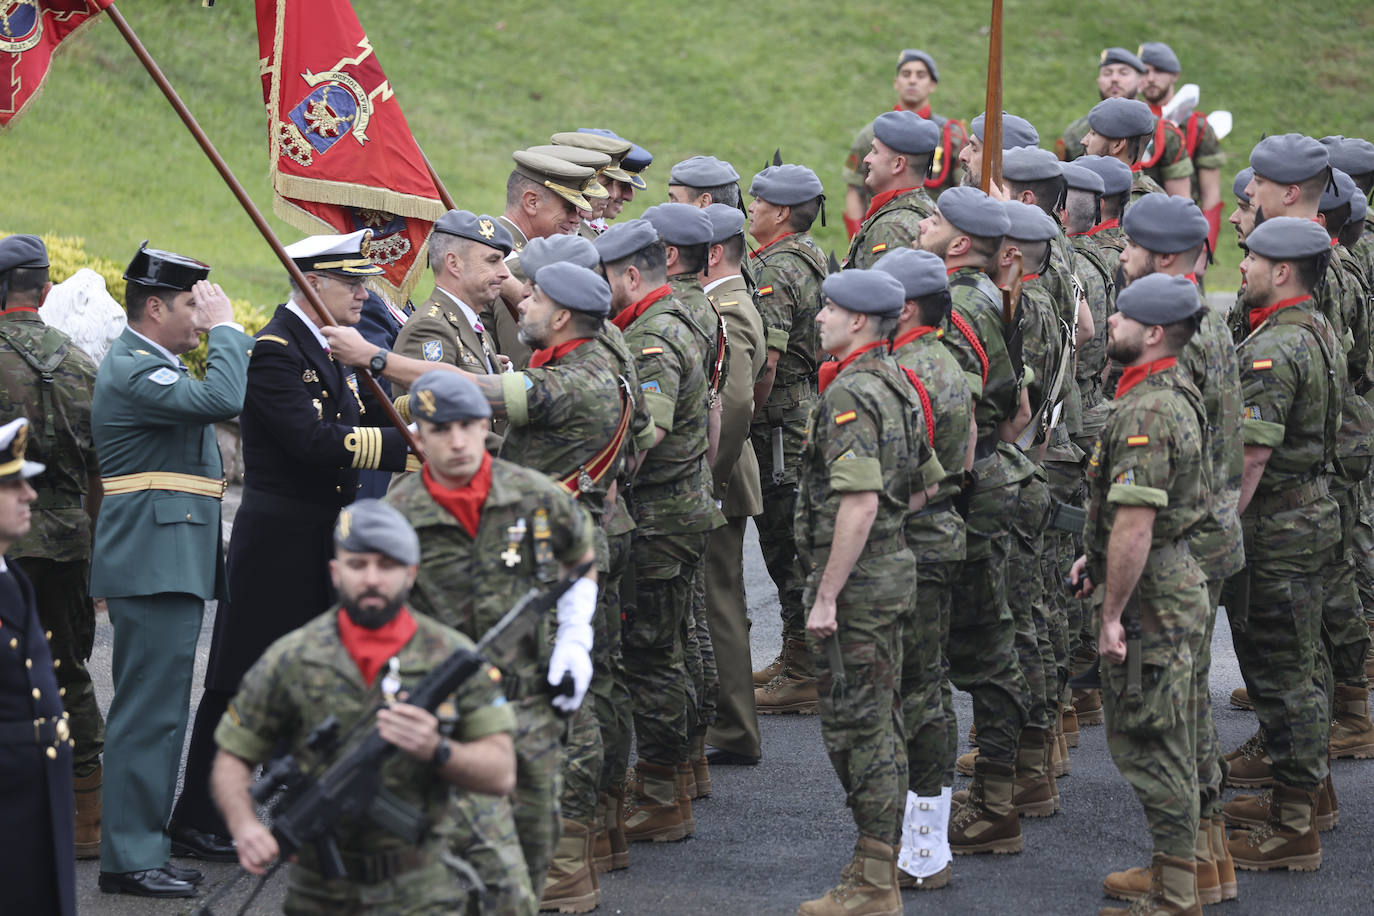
x=412, y=729
x=348, y=346
x=211, y=304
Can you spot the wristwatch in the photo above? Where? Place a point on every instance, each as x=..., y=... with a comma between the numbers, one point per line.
x=441, y=753
x=378, y=362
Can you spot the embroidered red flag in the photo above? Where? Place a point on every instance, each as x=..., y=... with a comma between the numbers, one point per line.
x=341, y=153
x=30, y=32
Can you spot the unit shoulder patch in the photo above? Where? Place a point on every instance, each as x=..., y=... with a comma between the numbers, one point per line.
x=1141, y=439
x=164, y=376
x=433, y=350
x=847, y=417
x=1262, y=364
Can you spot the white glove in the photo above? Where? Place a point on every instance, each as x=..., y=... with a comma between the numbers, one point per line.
x=573, y=645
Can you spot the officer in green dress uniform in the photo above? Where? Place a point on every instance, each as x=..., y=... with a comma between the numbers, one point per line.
x=163, y=481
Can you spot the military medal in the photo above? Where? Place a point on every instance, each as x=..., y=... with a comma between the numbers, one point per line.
x=514, y=535
x=584, y=480
x=391, y=683
x=543, y=552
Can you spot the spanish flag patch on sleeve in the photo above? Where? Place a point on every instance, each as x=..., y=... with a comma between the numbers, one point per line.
x=1138, y=440
x=765, y=290
x=842, y=418
x=1262, y=364
x=650, y=351
x=881, y=246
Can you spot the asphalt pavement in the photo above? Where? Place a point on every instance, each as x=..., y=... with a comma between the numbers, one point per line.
x=774, y=835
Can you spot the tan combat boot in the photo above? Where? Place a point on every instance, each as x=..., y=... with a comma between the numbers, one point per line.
x=1250, y=766
x=964, y=764
x=1068, y=724
x=86, y=792
x=790, y=648
x=1208, y=876
x=1088, y=705
x=684, y=797
x=701, y=768
x=571, y=885
x=1240, y=699
x=793, y=689
x=987, y=821
x=1226, y=867
x=1060, y=764
x=1287, y=840
x=1171, y=889
x=1033, y=786
x=1352, y=734
x=652, y=811
x=1251, y=811
x=688, y=777
x=868, y=885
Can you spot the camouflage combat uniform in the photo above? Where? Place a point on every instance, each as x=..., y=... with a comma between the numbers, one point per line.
x=1292, y=529
x=944, y=166
x=1152, y=454
x=308, y=675
x=935, y=535
x=1172, y=163
x=1095, y=268
x=528, y=526
x=893, y=221
x=790, y=271
x=865, y=435
x=48, y=379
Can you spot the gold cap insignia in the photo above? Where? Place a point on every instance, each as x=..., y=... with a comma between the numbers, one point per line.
x=365, y=247
x=21, y=441
x=486, y=228
x=345, y=522
x=426, y=399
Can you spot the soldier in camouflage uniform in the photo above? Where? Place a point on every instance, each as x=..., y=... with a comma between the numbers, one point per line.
x=790, y=267
x=669, y=496
x=1167, y=235
x=867, y=461
x=1096, y=273
x=48, y=378
x=1121, y=128
x=897, y=163
x=966, y=231
x=1119, y=73
x=333, y=666
x=935, y=536
x=1355, y=157
x=1117, y=180
x=490, y=529
x=1015, y=132
x=1148, y=481
x=1292, y=373
x=915, y=82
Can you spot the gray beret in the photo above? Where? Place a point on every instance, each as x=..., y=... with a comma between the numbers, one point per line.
x=1289, y=158
x=1359, y=209
x=440, y=396
x=1028, y=223
x=870, y=292
x=726, y=222
x=574, y=287
x=372, y=526
x=702, y=172
x=624, y=239
x=1015, y=131
x=1242, y=182
x=468, y=225
x=22, y=251
x=973, y=212
x=906, y=132
x=1116, y=175
x=680, y=224
x=542, y=252
x=1165, y=224
x=921, y=273
x=1286, y=237
x=1350, y=154
x=1159, y=299
x=1030, y=163
x=911, y=54
x=1120, y=118
x=786, y=185
x=1119, y=56
x=1160, y=56
x=1340, y=190
x=1081, y=178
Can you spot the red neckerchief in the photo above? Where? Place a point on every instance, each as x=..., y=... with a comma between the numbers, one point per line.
x=1105, y=224
x=829, y=370
x=883, y=199
x=540, y=358
x=1155, y=110
x=914, y=334
x=464, y=503
x=370, y=649
x=1259, y=316
x=24, y=308
x=1137, y=167
x=1026, y=278
x=1134, y=375
x=755, y=254
x=628, y=315
x=923, y=111
x=1191, y=278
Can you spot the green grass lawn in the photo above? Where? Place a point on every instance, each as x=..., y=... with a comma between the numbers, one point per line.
x=102, y=156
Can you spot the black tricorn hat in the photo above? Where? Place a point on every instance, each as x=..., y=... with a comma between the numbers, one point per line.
x=159, y=269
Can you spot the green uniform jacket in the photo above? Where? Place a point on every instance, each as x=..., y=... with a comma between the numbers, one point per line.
x=896, y=224
x=149, y=415
x=790, y=272
x=736, y=472
x=439, y=332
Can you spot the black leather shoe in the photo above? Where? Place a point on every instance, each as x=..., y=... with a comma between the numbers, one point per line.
x=188, y=841
x=151, y=883
x=189, y=875
x=719, y=757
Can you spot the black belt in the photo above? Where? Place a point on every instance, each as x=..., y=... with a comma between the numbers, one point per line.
x=35, y=731
x=370, y=869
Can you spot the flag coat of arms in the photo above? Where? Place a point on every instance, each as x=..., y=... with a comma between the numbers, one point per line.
x=30, y=31
x=342, y=155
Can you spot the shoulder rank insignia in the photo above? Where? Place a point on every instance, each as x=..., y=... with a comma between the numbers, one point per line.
x=881, y=246
x=1262, y=364
x=164, y=376
x=433, y=350
x=650, y=351
x=847, y=417
x=766, y=290
x=1142, y=439
x=275, y=339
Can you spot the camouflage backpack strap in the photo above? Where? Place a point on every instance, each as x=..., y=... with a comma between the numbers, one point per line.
x=809, y=254
x=43, y=359
x=1334, y=361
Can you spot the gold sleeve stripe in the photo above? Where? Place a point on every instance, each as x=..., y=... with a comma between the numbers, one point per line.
x=275, y=339
x=365, y=444
x=402, y=405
